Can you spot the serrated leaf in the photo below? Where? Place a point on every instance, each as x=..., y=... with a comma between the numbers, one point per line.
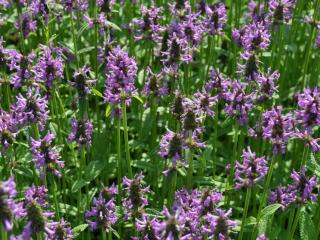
x=78, y=229
x=307, y=229
x=269, y=210
x=313, y=166
x=78, y=184
x=93, y=170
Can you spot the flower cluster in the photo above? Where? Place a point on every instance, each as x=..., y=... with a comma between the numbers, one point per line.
x=81, y=132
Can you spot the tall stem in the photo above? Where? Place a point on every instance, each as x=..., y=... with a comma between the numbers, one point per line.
x=172, y=188
x=245, y=212
x=295, y=223
x=190, y=161
x=126, y=141
x=119, y=163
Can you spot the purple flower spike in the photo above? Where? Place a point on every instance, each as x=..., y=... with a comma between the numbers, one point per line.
x=267, y=85
x=171, y=145
x=317, y=42
x=135, y=199
x=121, y=71
x=49, y=68
x=37, y=194
x=277, y=128
x=61, y=231
x=307, y=138
x=40, y=8
x=82, y=82
x=263, y=236
x=252, y=170
x=156, y=84
x=28, y=24
x=171, y=227
x=147, y=227
x=8, y=129
x=72, y=5
x=250, y=68
x=280, y=11
x=81, y=132
x=304, y=186
x=102, y=214
x=239, y=104
x=217, y=18
x=217, y=83
x=31, y=108
x=9, y=209
x=204, y=103
x=46, y=156
x=256, y=12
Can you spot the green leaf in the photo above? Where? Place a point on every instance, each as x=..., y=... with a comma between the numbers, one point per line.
x=97, y=93
x=82, y=29
x=85, y=50
x=78, y=229
x=307, y=229
x=78, y=184
x=93, y=170
x=68, y=209
x=138, y=98
x=114, y=26
x=269, y=210
x=313, y=166
x=108, y=110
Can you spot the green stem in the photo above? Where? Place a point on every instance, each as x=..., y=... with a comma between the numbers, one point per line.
x=126, y=141
x=119, y=162
x=295, y=223
x=189, y=157
x=245, y=212
x=215, y=138
x=172, y=188
x=74, y=40
x=4, y=234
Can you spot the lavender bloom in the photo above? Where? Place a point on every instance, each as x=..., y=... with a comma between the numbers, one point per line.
x=8, y=129
x=135, y=199
x=171, y=145
x=250, y=68
x=262, y=236
x=106, y=7
x=120, y=72
x=277, y=128
x=304, y=186
x=155, y=84
x=266, y=85
x=61, y=230
x=239, y=104
x=308, y=113
x=21, y=64
x=49, y=68
x=149, y=27
x=216, y=18
x=147, y=227
x=82, y=82
x=317, y=42
x=189, y=30
x=256, y=12
x=218, y=224
x=252, y=170
x=81, y=132
x=28, y=24
x=256, y=37
x=217, y=83
x=204, y=103
x=281, y=11
x=171, y=227
x=37, y=216
x=102, y=214
x=3, y=52
x=306, y=137
x=45, y=155
x=31, y=108
x=283, y=196
x=40, y=8
x=72, y=5
x=9, y=209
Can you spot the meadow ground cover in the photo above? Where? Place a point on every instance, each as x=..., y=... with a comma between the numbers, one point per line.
x=136, y=119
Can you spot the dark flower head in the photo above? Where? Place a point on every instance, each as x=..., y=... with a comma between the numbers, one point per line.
x=102, y=214
x=40, y=8
x=8, y=129
x=121, y=71
x=72, y=5
x=177, y=106
x=171, y=145
x=252, y=170
x=216, y=18
x=45, y=155
x=31, y=108
x=9, y=209
x=156, y=84
x=267, y=85
x=217, y=84
x=106, y=7
x=135, y=199
x=250, y=68
x=256, y=12
x=82, y=82
x=280, y=11
x=61, y=230
x=147, y=227
x=28, y=24
x=81, y=132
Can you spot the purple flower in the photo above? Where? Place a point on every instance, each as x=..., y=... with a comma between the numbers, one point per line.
x=218, y=224
x=304, y=186
x=281, y=10
x=9, y=209
x=149, y=27
x=262, y=236
x=266, y=85
x=177, y=106
x=46, y=156
x=8, y=129
x=49, y=67
x=277, y=128
x=307, y=138
x=81, y=132
x=238, y=103
x=156, y=84
x=256, y=37
x=106, y=7
x=135, y=199
x=28, y=24
x=61, y=230
x=40, y=8
x=250, y=68
x=37, y=194
x=283, y=196
x=216, y=18
x=204, y=103
x=171, y=146
x=71, y=5
x=308, y=113
x=256, y=12
x=217, y=83
x=317, y=42
x=102, y=214
x=147, y=227
x=121, y=71
x=252, y=170
x=82, y=82
x=31, y=108
x=21, y=64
